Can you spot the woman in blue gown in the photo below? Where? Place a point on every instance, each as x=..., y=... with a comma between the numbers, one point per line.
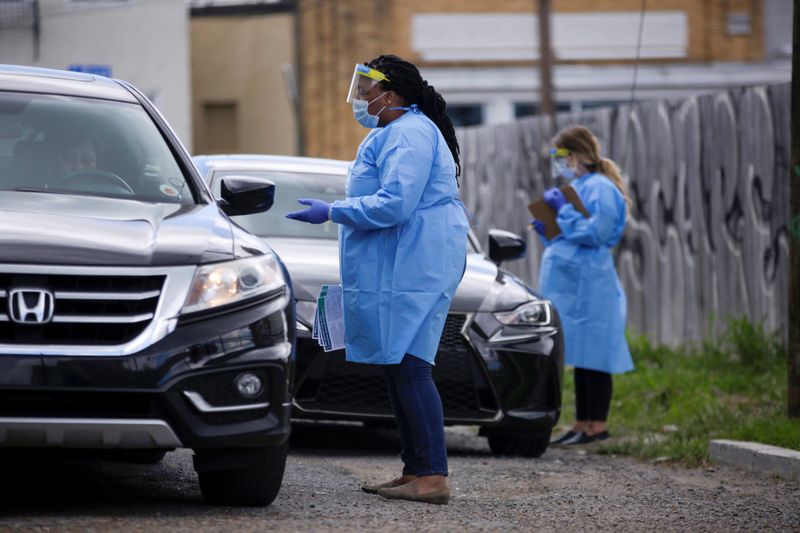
x=402, y=248
x=578, y=274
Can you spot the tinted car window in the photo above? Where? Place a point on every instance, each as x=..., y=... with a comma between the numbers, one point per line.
x=289, y=186
x=86, y=146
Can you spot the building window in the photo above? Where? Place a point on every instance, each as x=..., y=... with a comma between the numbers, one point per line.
x=530, y=109
x=594, y=104
x=465, y=114
x=221, y=121
x=738, y=23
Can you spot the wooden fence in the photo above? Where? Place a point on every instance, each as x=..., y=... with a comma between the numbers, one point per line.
x=708, y=236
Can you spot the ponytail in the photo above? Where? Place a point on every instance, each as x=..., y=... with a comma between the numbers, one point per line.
x=406, y=81
x=433, y=105
x=608, y=168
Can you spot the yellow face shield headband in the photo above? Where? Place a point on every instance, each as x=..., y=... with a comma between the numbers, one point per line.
x=559, y=152
x=364, y=79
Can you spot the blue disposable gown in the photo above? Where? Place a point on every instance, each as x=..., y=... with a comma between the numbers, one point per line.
x=402, y=242
x=578, y=275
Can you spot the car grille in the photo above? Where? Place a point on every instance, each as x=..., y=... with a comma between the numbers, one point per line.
x=87, y=310
x=345, y=387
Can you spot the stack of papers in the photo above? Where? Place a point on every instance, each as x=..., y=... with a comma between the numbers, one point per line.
x=329, y=318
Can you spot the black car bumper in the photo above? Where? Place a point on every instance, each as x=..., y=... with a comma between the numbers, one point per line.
x=141, y=401
x=513, y=384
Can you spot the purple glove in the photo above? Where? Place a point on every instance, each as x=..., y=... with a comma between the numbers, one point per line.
x=554, y=198
x=317, y=213
x=539, y=226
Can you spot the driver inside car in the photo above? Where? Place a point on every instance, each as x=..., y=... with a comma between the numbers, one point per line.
x=74, y=167
x=76, y=155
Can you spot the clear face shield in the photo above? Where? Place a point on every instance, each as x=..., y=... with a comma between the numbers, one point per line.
x=559, y=170
x=364, y=79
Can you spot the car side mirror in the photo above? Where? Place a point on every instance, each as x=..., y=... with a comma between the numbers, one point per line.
x=504, y=245
x=245, y=195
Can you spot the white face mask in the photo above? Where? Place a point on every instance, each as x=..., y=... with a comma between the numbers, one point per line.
x=562, y=169
x=362, y=115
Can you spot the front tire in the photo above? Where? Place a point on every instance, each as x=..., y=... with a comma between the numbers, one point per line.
x=529, y=444
x=257, y=485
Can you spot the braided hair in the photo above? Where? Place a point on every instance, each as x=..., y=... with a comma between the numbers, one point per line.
x=405, y=80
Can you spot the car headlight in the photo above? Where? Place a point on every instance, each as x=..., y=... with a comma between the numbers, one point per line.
x=529, y=314
x=233, y=281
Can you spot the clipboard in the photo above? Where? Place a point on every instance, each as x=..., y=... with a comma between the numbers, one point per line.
x=541, y=211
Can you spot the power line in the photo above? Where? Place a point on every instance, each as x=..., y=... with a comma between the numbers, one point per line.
x=629, y=137
x=638, y=52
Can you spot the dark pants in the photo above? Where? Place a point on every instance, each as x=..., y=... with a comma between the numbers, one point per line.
x=592, y=394
x=418, y=413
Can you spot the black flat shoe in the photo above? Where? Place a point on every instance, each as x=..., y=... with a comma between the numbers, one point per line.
x=563, y=438
x=583, y=438
x=579, y=438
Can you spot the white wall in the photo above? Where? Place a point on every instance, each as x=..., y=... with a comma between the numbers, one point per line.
x=145, y=42
x=778, y=28
x=575, y=36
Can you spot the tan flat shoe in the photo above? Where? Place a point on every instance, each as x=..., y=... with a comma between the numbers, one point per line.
x=373, y=489
x=409, y=492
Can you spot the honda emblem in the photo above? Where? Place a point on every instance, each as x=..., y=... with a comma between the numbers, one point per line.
x=31, y=306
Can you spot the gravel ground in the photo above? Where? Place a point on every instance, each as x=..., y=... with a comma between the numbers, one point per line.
x=565, y=490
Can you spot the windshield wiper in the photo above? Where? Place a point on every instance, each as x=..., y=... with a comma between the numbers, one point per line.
x=27, y=188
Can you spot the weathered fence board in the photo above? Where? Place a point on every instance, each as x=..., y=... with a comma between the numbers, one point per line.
x=707, y=238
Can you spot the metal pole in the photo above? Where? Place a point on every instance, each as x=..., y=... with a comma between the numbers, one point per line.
x=36, y=29
x=793, y=352
x=298, y=11
x=545, y=63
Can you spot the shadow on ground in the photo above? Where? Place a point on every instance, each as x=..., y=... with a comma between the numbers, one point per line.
x=61, y=483
x=354, y=439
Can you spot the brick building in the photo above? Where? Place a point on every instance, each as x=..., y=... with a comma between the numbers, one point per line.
x=482, y=55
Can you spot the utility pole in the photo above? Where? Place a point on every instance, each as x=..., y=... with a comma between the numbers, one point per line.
x=545, y=63
x=793, y=352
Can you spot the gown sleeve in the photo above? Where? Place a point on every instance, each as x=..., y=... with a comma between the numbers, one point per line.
x=404, y=166
x=600, y=227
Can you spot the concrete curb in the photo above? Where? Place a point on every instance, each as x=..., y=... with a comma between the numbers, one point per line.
x=757, y=457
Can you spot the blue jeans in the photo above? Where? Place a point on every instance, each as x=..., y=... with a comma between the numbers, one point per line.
x=418, y=413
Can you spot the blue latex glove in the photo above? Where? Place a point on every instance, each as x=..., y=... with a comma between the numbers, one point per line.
x=539, y=226
x=554, y=198
x=317, y=213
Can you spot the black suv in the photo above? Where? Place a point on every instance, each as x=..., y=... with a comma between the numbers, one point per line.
x=134, y=316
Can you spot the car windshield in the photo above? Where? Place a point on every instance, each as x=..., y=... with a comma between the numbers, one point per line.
x=289, y=186
x=72, y=145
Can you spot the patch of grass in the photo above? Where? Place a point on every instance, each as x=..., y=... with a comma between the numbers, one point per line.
x=678, y=399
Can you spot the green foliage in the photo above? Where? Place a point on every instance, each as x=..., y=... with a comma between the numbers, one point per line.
x=678, y=399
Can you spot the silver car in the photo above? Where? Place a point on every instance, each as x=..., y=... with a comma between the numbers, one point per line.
x=500, y=359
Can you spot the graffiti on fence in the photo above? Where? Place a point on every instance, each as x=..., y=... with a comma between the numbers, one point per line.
x=709, y=230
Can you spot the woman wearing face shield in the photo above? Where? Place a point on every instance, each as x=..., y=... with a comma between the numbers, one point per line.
x=403, y=241
x=577, y=273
